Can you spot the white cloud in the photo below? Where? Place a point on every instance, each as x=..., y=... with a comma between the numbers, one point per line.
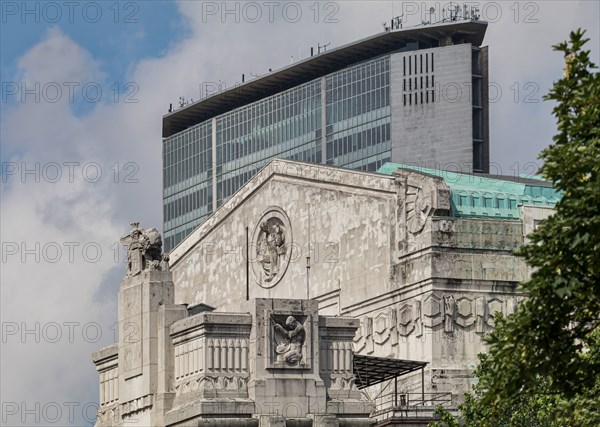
x=112, y=133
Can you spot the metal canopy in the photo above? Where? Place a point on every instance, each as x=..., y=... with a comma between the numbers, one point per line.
x=369, y=370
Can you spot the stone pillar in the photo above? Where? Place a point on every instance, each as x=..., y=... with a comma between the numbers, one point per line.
x=143, y=299
x=167, y=315
x=344, y=400
x=284, y=362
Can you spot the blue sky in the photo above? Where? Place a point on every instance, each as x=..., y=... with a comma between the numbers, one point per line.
x=119, y=35
x=76, y=173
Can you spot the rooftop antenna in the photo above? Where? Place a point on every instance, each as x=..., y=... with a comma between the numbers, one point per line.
x=453, y=10
x=431, y=12
x=385, y=26
x=322, y=46
x=396, y=23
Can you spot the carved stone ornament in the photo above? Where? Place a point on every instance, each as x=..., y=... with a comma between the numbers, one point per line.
x=449, y=313
x=271, y=247
x=144, y=250
x=420, y=196
x=418, y=207
x=289, y=335
x=382, y=329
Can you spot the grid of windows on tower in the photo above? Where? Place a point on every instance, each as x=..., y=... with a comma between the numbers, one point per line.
x=358, y=116
x=187, y=177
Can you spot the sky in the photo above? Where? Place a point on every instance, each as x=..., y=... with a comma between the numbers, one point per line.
x=84, y=88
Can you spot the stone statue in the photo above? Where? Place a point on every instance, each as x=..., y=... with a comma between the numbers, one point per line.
x=270, y=248
x=144, y=250
x=290, y=347
x=449, y=306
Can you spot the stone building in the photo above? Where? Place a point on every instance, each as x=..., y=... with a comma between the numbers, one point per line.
x=319, y=296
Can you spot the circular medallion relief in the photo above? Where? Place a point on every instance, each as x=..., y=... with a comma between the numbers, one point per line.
x=271, y=247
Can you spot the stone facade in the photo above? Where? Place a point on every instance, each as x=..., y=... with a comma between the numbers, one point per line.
x=275, y=360
x=386, y=250
x=306, y=266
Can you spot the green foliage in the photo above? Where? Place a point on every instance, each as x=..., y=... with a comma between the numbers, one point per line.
x=543, y=366
x=548, y=334
x=540, y=408
x=447, y=419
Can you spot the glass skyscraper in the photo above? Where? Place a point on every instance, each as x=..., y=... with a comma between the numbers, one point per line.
x=347, y=107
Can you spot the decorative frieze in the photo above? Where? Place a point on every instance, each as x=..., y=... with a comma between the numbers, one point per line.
x=132, y=408
x=437, y=309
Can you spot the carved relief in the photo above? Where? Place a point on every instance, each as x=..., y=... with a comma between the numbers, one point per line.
x=464, y=312
x=393, y=319
x=359, y=341
x=369, y=335
x=406, y=323
x=136, y=406
x=494, y=306
x=418, y=318
x=511, y=306
x=418, y=208
x=480, y=315
x=214, y=385
x=449, y=311
x=419, y=197
x=144, y=250
x=272, y=247
x=446, y=310
x=432, y=310
x=289, y=339
x=382, y=332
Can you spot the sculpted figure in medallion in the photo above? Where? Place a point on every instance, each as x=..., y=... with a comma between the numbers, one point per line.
x=271, y=248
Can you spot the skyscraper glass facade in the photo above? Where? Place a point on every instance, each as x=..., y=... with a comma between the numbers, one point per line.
x=358, y=116
x=287, y=125
x=187, y=177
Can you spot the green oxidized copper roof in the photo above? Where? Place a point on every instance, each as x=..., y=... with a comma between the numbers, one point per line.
x=482, y=196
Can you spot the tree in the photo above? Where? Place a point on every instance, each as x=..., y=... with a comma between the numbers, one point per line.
x=543, y=366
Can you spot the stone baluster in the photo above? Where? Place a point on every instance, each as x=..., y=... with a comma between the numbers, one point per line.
x=336, y=356
x=244, y=355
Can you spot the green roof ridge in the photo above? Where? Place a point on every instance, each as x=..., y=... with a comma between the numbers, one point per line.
x=485, y=197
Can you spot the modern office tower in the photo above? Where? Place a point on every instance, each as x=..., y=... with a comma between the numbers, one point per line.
x=414, y=96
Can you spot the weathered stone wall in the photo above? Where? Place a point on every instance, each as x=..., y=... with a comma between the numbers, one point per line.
x=424, y=284
x=346, y=221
